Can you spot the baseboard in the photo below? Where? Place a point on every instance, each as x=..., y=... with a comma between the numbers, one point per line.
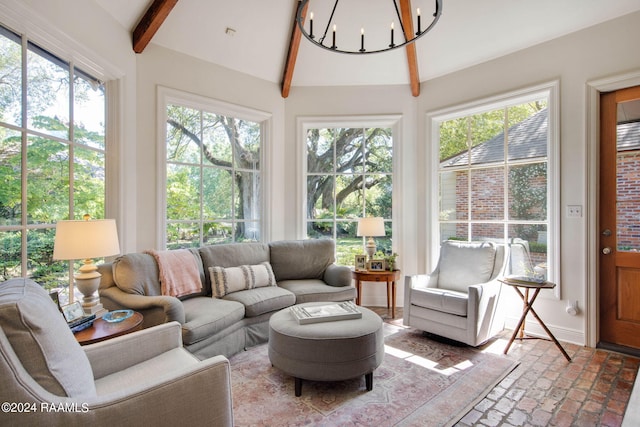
x=533, y=328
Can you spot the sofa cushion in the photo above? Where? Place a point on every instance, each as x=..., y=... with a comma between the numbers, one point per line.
x=301, y=259
x=446, y=301
x=465, y=263
x=311, y=290
x=233, y=279
x=205, y=317
x=42, y=340
x=263, y=300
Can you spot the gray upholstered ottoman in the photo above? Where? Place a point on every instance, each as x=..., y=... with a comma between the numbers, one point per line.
x=328, y=351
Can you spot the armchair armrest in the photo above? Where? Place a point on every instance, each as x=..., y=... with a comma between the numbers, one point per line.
x=198, y=393
x=122, y=352
x=483, y=298
x=171, y=306
x=337, y=275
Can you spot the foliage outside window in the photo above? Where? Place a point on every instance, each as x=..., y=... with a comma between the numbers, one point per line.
x=213, y=178
x=494, y=182
x=349, y=175
x=52, y=156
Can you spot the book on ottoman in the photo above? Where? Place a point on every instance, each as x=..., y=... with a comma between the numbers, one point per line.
x=325, y=313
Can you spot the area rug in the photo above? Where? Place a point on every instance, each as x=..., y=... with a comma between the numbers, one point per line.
x=421, y=382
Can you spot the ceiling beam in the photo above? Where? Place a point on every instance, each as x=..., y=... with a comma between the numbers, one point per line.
x=150, y=23
x=412, y=58
x=292, y=54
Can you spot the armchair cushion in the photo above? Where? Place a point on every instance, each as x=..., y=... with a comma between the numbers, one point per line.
x=446, y=301
x=477, y=257
x=55, y=360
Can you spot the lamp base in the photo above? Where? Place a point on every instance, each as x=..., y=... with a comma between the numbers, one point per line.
x=87, y=282
x=370, y=248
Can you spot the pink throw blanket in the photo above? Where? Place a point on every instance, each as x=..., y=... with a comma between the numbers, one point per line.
x=179, y=273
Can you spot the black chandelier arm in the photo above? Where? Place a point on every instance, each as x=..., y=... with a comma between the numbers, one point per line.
x=326, y=30
x=419, y=33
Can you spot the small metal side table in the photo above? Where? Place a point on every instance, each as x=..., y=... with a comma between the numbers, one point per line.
x=378, y=276
x=528, y=307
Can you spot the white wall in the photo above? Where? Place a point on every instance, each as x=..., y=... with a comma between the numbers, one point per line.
x=100, y=46
x=164, y=67
x=362, y=101
x=604, y=50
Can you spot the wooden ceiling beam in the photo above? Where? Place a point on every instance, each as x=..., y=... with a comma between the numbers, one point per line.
x=412, y=57
x=150, y=23
x=292, y=54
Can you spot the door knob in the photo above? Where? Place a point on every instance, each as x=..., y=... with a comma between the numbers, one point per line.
x=606, y=251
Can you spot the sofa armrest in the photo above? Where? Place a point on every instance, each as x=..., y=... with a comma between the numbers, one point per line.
x=171, y=306
x=337, y=275
x=122, y=352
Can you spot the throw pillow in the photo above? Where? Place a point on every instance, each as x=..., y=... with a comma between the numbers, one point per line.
x=233, y=279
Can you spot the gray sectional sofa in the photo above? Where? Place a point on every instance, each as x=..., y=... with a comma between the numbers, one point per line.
x=304, y=271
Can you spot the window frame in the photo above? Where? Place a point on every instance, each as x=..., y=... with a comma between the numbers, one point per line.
x=305, y=123
x=71, y=57
x=168, y=96
x=549, y=90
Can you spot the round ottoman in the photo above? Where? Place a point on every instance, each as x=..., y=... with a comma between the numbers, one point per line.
x=326, y=351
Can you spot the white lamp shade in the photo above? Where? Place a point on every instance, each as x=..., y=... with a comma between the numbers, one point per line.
x=86, y=239
x=371, y=226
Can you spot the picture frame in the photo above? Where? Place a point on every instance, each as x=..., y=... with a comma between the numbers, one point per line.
x=377, y=265
x=55, y=296
x=361, y=262
x=73, y=311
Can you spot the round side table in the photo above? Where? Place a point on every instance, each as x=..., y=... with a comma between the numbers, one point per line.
x=378, y=276
x=102, y=330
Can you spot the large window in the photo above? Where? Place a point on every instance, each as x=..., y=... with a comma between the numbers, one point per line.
x=52, y=156
x=495, y=178
x=213, y=186
x=349, y=175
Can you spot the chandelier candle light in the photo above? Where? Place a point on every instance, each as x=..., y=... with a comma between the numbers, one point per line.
x=370, y=227
x=340, y=17
x=86, y=239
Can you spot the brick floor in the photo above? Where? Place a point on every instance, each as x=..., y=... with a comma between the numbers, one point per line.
x=591, y=390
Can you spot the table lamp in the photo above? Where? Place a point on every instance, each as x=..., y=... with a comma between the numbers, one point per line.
x=86, y=239
x=370, y=227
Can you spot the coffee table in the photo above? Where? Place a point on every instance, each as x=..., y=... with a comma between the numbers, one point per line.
x=102, y=330
x=328, y=351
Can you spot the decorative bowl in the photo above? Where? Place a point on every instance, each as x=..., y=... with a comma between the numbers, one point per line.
x=117, y=316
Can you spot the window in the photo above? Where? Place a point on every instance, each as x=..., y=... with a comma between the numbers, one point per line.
x=52, y=156
x=495, y=170
x=213, y=183
x=348, y=175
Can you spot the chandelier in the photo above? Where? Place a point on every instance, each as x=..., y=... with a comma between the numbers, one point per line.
x=380, y=35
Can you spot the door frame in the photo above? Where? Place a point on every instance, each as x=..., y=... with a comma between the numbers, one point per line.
x=593, y=89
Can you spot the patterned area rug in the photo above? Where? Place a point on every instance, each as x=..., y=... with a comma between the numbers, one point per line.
x=421, y=382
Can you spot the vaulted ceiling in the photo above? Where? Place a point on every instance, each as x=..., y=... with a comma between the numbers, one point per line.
x=253, y=36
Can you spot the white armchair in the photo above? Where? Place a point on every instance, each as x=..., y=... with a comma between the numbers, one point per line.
x=144, y=378
x=459, y=299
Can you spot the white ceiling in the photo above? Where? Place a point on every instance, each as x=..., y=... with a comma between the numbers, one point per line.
x=469, y=32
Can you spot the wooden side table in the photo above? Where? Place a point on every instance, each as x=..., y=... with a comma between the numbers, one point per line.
x=102, y=330
x=528, y=307
x=378, y=276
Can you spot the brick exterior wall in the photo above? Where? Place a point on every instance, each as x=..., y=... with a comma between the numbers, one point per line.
x=628, y=182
